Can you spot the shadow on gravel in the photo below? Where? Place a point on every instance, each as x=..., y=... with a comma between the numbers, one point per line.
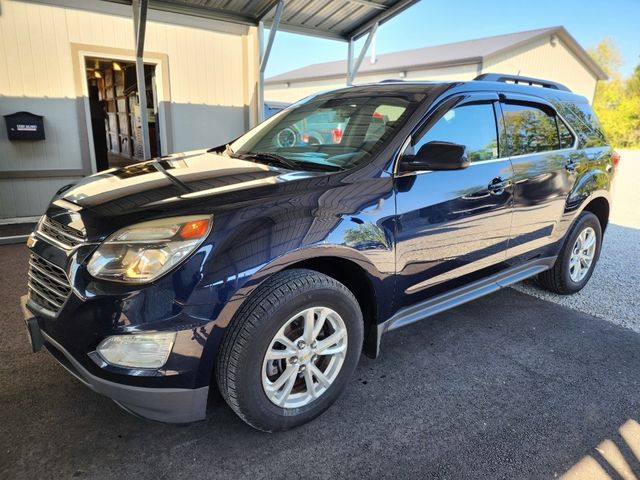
x=508, y=386
x=612, y=291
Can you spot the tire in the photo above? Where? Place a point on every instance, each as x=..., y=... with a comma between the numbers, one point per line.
x=559, y=279
x=243, y=372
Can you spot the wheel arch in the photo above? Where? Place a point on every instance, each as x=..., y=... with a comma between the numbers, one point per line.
x=601, y=208
x=358, y=281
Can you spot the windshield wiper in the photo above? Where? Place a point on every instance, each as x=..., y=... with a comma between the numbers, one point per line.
x=269, y=158
x=275, y=159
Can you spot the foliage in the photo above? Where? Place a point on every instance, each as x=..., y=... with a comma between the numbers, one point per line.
x=365, y=234
x=531, y=131
x=617, y=100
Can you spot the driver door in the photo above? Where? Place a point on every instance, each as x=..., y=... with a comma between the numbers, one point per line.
x=454, y=224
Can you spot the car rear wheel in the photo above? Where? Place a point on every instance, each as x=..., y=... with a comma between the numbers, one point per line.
x=577, y=259
x=290, y=350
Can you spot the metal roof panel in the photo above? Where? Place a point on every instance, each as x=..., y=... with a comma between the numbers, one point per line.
x=337, y=19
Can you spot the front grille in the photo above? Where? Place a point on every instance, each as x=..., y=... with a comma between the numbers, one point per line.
x=48, y=284
x=64, y=235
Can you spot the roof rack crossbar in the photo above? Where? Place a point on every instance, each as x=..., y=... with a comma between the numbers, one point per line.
x=517, y=79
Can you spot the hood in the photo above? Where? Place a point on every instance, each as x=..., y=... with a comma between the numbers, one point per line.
x=175, y=180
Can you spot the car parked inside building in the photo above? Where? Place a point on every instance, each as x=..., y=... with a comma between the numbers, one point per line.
x=265, y=269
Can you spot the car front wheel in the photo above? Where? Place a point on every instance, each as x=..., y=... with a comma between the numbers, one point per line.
x=290, y=350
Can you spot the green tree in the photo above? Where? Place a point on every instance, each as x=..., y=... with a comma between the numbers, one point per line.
x=365, y=233
x=633, y=108
x=617, y=100
x=607, y=54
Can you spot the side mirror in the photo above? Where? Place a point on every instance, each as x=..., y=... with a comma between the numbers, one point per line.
x=436, y=156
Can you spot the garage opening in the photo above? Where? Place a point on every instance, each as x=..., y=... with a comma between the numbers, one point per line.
x=115, y=111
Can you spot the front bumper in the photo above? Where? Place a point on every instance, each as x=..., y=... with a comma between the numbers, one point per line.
x=171, y=405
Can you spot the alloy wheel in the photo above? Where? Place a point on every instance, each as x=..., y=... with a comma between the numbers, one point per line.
x=304, y=357
x=582, y=254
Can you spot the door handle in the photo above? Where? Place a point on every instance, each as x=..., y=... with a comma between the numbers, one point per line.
x=498, y=185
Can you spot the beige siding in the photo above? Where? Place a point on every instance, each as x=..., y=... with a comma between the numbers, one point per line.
x=543, y=60
x=27, y=197
x=209, y=77
x=37, y=59
x=536, y=59
x=297, y=90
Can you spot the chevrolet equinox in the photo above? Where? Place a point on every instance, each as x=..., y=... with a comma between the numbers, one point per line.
x=265, y=266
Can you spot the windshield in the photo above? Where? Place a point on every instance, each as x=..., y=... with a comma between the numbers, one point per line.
x=328, y=132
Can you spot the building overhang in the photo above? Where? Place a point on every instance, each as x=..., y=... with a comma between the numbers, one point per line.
x=336, y=19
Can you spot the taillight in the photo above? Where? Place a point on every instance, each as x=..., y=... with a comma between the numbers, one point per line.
x=305, y=137
x=615, y=158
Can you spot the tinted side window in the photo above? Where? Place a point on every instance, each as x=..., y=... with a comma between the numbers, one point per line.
x=530, y=129
x=585, y=123
x=472, y=125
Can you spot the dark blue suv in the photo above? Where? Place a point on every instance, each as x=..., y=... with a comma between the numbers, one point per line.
x=265, y=268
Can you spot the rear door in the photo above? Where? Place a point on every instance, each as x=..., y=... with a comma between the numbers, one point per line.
x=544, y=158
x=453, y=224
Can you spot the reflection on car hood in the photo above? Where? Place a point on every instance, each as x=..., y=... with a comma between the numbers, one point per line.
x=175, y=178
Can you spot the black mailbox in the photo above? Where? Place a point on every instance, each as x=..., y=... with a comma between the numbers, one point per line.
x=24, y=126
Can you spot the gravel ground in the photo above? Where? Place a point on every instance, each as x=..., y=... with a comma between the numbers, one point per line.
x=612, y=292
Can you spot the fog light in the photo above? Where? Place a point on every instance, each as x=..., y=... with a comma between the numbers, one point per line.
x=140, y=350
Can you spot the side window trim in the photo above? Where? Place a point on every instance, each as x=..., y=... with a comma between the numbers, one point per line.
x=536, y=102
x=446, y=104
x=559, y=120
x=504, y=148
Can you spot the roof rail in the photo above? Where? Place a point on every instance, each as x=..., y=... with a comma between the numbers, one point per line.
x=391, y=80
x=517, y=79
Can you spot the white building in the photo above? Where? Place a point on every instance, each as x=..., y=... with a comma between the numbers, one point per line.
x=549, y=53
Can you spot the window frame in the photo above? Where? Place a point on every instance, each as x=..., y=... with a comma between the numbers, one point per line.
x=559, y=121
x=541, y=104
x=435, y=113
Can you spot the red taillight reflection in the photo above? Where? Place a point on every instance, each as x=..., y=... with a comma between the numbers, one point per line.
x=336, y=134
x=615, y=158
x=305, y=137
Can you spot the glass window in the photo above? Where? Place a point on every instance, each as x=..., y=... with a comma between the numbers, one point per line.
x=566, y=137
x=585, y=123
x=382, y=118
x=472, y=125
x=530, y=129
x=329, y=131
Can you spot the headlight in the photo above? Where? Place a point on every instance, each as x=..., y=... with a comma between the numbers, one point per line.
x=143, y=252
x=140, y=350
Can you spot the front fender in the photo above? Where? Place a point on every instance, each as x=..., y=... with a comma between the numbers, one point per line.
x=353, y=222
x=375, y=271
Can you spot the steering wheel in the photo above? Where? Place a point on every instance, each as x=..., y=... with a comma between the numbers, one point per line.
x=287, y=137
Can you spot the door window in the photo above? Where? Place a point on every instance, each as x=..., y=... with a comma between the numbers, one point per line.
x=472, y=125
x=532, y=129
